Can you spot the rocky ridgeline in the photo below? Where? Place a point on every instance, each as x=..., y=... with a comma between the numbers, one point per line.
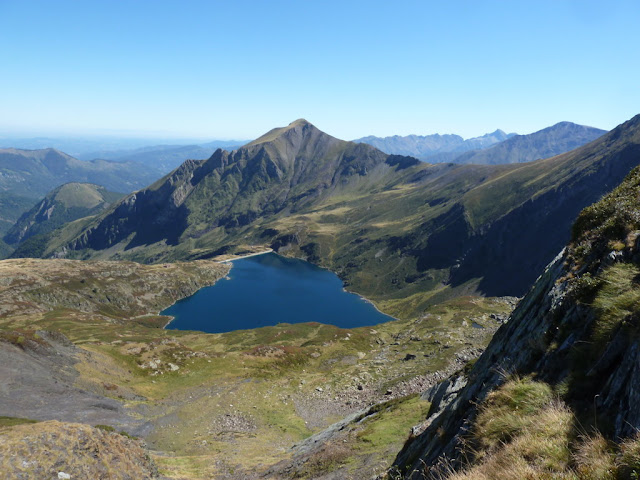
x=576, y=329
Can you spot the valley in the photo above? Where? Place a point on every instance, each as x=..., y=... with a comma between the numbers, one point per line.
x=319, y=240
x=391, y=227
x=446, y=249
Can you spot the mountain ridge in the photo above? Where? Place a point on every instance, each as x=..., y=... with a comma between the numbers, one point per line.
x=548, y=142
x=492, y=148
x=426, y=147
x=442, y=229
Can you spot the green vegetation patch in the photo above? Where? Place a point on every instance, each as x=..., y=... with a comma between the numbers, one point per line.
x=11, y=421
x=608, y=224
x=393, y=422
x=510, y=410
x=617, y=303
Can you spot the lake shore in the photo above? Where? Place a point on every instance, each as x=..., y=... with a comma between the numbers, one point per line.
x=227, y=260
x=310, y=283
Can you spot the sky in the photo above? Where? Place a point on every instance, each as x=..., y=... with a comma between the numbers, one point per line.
x=235, y=69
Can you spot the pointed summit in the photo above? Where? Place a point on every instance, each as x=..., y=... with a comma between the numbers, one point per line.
x=299, y=127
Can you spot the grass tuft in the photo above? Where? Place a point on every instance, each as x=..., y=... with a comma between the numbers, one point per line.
x=617, y=300
x=510, y=410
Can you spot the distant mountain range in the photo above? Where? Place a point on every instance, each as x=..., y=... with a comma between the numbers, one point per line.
x=559, y=138
x=163, y=158
x=427, y=146
x=390, y=225
x=490, y=149
x=33, y=173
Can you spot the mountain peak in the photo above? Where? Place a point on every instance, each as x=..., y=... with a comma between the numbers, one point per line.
x=301, y=122
x=300, y=126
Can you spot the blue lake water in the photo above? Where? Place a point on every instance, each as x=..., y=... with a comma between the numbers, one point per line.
x=269, y=289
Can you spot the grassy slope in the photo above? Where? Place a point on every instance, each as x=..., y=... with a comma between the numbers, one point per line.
x=550, y=424
x=524, y=430
x=237, y=401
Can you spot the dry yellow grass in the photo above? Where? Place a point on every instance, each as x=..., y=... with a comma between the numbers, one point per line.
x=524, y=432
x=42, y=450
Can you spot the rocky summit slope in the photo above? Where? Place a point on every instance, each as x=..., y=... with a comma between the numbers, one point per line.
x=66, y=203
x=390, y=226
x=555, y=393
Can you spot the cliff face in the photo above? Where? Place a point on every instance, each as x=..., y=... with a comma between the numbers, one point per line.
x=577, y=330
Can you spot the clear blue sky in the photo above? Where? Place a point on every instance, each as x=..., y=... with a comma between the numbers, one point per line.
x=234, y=69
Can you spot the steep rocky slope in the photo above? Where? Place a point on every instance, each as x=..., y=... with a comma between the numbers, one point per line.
x=390, y=226
x=576, y=335
x=66, y=203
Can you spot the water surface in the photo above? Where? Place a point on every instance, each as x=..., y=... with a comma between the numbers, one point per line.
x=269, y=289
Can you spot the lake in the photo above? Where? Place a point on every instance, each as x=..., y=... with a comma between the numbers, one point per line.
x=269, y=289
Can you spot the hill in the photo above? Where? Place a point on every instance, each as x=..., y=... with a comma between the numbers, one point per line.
x=391, y=226
x=33, y=173
x=66, y=203
x=553, y=395
x=559, y=138
x=427, y=147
